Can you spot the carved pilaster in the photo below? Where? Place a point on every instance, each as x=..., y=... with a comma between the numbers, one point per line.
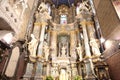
x=54, y=43
x=37, y=29
x=73, y=43
x=42, y=35
x=87, y=48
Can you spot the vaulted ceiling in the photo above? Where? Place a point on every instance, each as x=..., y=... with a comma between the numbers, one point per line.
x=60, y=2
x=4, y=25
x=65, y=2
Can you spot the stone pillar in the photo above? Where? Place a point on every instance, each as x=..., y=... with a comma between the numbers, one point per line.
x=44, y=69
x=53, y=44
x=34, y=70
x=38, y=70
x=88, y=61
x=78, y=35
x=48, y=69
x=28, y=72
x=87, y=48
x=40, y=48
x=36, y=30
x=73, y=43
x=80, y=69
x=49, y=35
x=94, y=43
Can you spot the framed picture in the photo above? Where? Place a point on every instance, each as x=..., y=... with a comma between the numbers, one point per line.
x=116, y=4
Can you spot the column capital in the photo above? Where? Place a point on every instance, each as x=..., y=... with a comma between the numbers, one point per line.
x=72, y=32
x=37, y=24
x=49, y=30
x=76, y=30
x=53, y=32
x=89, y=23
x=84, y=22
x=44, y=23
x=40, y=24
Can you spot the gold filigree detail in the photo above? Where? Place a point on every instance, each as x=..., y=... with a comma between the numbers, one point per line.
x=37, y=24
x=83, y=23
x=90, y=23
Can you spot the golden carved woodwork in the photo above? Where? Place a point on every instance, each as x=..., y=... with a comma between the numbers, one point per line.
x=83, y=23
x=40, y=24
x=37, y=24
x=90, y=23
x=63, y=9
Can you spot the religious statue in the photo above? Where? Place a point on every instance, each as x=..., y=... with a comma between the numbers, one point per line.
x=92, y=32
x=63, y=51
x=63, y=75
x=79, y=51
x=42, y=15
x=46, y=50
x=32, y=46
x=23, y=3
x=83, y=7
x=94, y=43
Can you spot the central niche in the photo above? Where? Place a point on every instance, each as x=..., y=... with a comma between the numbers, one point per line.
x=63, y=19
x=63, y=41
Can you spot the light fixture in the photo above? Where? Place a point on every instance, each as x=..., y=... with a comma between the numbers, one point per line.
x=8, y=38
x=102, y=40
x=108, y=44
x=119, y=45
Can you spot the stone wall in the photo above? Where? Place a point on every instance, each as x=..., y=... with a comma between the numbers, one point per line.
x=114, y=66
x=110, y=27
x=108, y=19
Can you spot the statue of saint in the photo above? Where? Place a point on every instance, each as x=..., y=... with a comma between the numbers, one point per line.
x=83, y=7
x=42, y=15
x=94, y=43
x=32, y=46
x=63, y=51
x=46, y=50
x=79, y=51
x=92, y=32
x=63, y=75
